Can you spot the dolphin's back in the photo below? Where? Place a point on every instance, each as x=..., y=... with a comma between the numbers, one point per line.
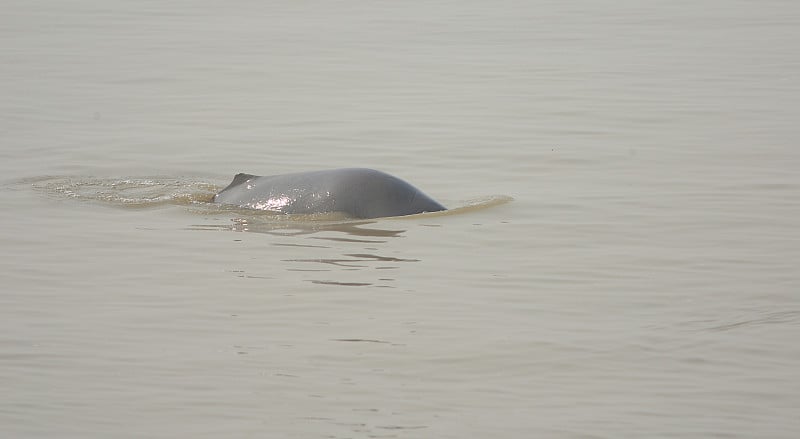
x=357, y=192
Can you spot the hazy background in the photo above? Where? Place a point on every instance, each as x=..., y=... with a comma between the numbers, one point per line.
x=642, y=283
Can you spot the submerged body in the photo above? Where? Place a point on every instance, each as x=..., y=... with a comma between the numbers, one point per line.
x=356, y=192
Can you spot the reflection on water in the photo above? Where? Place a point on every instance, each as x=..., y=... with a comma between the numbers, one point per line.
x=338, y=257
x=342, y=248
x=296, y=225
x=336, y=261
x=344, y=254
x=344, y=284
x=360, y=340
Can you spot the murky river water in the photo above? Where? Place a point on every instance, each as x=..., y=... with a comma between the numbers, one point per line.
x=622, y=260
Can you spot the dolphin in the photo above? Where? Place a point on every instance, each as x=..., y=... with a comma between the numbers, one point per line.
x=356, y=192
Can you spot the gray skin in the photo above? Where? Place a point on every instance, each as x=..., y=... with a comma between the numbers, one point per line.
x=356, y=192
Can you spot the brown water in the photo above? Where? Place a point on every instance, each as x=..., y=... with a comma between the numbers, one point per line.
x=622, y=259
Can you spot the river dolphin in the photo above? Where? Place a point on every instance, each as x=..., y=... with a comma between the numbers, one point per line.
x=356, y=192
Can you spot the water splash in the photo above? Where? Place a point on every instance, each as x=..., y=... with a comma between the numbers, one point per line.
x=136, y=192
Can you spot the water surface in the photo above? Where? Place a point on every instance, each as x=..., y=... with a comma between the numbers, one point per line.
x=623, y=262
